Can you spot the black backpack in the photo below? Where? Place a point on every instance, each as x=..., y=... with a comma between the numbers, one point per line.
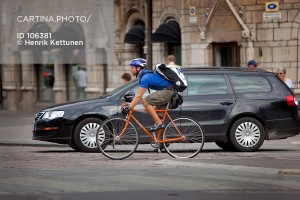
x=176, y=99
x=174, y=74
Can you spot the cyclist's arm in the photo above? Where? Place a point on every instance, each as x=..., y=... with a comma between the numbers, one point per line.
x=137, y=97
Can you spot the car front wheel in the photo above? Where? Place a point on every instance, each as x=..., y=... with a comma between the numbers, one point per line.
x=85, y=135
x=247, y=134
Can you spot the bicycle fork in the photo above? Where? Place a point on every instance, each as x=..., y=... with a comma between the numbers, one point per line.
x=116, y=137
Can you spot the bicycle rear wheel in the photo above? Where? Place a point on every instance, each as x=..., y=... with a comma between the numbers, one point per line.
x=111, y=145
x=193, y=138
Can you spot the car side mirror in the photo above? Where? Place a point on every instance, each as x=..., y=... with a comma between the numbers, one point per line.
x=129, y=96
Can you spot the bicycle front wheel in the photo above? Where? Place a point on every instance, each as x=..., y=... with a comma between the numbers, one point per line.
x=192, y=138
x=111, y=144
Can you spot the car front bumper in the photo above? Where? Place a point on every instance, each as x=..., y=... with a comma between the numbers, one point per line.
x=51, y=131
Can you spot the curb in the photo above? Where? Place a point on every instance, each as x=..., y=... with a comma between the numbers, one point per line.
x=289, y=172
x=265, y=170
x=33, y=145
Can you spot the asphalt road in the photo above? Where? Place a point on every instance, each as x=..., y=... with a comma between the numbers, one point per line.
x=40, y=170
x=58, y=172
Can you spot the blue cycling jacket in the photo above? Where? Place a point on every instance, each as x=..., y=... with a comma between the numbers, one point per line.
x=152, y=80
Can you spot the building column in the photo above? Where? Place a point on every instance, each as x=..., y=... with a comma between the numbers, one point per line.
x=60, y=82
x=29, y=84
x=247, y=52
x=205, y=52
x=11, y=82
x=96, y=72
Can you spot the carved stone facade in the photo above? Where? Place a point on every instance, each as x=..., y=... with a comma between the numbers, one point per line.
x=217, y=23
x=272, y=43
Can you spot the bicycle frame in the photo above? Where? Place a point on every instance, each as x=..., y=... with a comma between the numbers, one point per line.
x=154, y=138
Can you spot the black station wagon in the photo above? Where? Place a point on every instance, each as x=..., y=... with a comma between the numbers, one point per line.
x=237, y=109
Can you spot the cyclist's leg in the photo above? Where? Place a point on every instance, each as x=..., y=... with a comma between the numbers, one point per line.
x=111, y=144
x=151, y=110
x=192, y=137
x=160, y=100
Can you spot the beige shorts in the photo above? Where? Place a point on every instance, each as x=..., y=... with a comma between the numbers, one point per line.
x=160, y=98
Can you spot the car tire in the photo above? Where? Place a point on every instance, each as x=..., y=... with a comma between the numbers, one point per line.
x=227, y=146
x=73, y=146
x=84, y=135
x=247, y=134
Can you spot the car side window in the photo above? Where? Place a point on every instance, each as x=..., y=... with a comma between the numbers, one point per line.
x=206, y=84
x=250, y=84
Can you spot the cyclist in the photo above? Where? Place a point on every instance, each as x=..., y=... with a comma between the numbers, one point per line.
x=160, y=98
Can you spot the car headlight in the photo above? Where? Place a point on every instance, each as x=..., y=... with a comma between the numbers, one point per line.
x=53, y=114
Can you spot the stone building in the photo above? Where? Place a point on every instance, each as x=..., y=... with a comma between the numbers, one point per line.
x=197, y=32
x=211, y=33
x=38, y=72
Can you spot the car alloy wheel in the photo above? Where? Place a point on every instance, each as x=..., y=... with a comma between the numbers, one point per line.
x=88, y=135
x=247, y=134
x=85, y=134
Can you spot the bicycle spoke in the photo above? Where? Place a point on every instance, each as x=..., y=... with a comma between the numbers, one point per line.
x=193, y=140
x=116, y=146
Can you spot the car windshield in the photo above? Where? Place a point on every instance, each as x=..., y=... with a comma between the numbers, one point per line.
x=121, y=88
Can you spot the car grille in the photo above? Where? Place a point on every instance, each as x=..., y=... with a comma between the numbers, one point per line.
x=38, y=116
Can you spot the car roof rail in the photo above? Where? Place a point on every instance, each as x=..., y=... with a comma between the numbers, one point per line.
x=210, y=68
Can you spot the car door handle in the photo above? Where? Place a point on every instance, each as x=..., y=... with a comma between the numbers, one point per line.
x=226, y=103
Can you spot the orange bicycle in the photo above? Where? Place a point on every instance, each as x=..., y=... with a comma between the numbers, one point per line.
x=117, y=138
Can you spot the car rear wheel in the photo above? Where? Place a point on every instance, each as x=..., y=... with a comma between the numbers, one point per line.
x=247, y=134
x=85, y=135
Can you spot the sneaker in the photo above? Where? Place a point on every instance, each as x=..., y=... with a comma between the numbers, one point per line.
x=157, y=127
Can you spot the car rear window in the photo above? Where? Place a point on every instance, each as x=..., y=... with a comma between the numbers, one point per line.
x=250, y=84
x=206, y=84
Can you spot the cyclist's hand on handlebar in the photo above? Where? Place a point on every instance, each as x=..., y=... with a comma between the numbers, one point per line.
x=124, y=104
x=125, y=109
